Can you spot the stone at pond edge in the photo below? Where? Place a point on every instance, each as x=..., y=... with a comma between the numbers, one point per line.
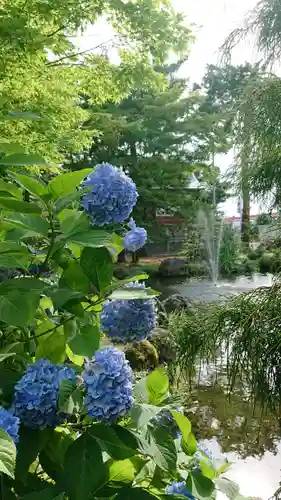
x=164, y=343
x=176, y=302
x=173, y=267
x=141, y=355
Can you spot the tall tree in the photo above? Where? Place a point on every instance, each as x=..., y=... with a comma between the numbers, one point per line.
x=225, y=87
x=42, y=71
x=159, y=137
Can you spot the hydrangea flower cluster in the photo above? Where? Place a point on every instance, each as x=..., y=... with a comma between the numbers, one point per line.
x=108, y=381
x=165, y=419
x=135, y=238
x=9, y=423
x=36, y=394
x=128, y=320
x=112, y=197
x=179, y=488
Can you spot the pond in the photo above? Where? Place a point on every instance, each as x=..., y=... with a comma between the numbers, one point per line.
x=250, y=440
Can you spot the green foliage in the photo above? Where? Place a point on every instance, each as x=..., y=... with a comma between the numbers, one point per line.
x=229, y=251
x=55, y=316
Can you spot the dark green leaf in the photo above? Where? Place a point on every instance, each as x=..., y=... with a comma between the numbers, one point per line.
x=157, y=386
x=97, y=265
x=90, y=238
x=73, y=221
x=8, y=379
x=50, y=493
x=135, y=494
x=10, y=188
x=65, y=201
x=57, y=447
x=117, y=441
x=142, y=413
x=65, y=184
x=13, y=255
x=70, y=397
x=7, y=454
x=86, y=341
x=161, y=448
x=21, y=159
x=32, y=185
x=19, y=206
x=33, y=223
x=74, y=278
x=17, y=308
x=24, y=284
x=118, y=283
x=61, y=296
x=84, y=468
x=6, y=355
x=200, y=486
x=31, y=442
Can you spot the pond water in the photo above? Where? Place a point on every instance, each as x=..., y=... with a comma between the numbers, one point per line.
x=250, y=440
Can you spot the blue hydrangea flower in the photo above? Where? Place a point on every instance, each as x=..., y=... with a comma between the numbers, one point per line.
x=9, y=423
x=135, y=238
x=108, y=381
x=128, y=320
x=180, y=489
x=36, y=394
x=112, y=197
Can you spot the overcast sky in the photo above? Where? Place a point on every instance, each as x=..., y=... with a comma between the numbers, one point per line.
x=213, y=20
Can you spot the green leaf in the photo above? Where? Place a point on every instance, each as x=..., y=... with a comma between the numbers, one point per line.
x=228, y=487
x=117, y=441
x=207, y=467
x=89, y=238
x=118, y=283
x=86, y=341
x=161, y=448
x=135, y=494
x=18, y=309
x=74, y=278
x=7, y=454
x=188, y=441
x=11, y=147
x=24, y=284
x=52, y=345
x=32, y=185
x=57, y=447
x=32, y=223
x=31, y=442
x=84, y=468
x=200, y=486
x=65, y=201
x=65, y=184
x=157, y=386
x=142, y=413
x=50, y=493
x=6, y=355
x=61, y=296
x=73, y=221
x=124, y=471
x=20, y=115
x=11, y=189
x=97, y=265
x=19, y=206
x=133, y=293
x=13, y=255
x=70, y=397
x=21, y=159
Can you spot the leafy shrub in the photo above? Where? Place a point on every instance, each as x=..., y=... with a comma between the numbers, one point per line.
x=229, y=251
x=53, y=371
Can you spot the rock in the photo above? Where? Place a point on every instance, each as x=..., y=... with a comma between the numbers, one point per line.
x=164, y=344
x=173, y=267
x=176, y=302
x=141, y=355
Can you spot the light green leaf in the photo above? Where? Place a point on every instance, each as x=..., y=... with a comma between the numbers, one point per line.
x=188, y=441
x=200, y=486
x=34, y=186
x=65, y=201
x=6, y=355
x=65, y=184
x=60, y=296
x=133, y=293
x=13, y=255
x=157, y=386
x=21, y=159
x=19, y=206
x=11, y=147
x=124, y=471
x=51, y=345
x=142, y=413
x=32, y=223
x=7, y=454
x=97, y=265
x=73, y=221
x=74, y=278
x=86, y=341
x=228, y=487
x=207, y=467
x=18, y=308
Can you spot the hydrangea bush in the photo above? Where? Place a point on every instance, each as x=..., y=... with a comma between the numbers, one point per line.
x=71, y=416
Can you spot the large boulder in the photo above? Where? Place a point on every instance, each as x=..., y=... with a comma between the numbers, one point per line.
x=142, y=355
x=173, y=267
x=164, y=344
x=176, y=302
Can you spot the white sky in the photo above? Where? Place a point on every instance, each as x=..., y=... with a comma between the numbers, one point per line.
x=213, y=20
